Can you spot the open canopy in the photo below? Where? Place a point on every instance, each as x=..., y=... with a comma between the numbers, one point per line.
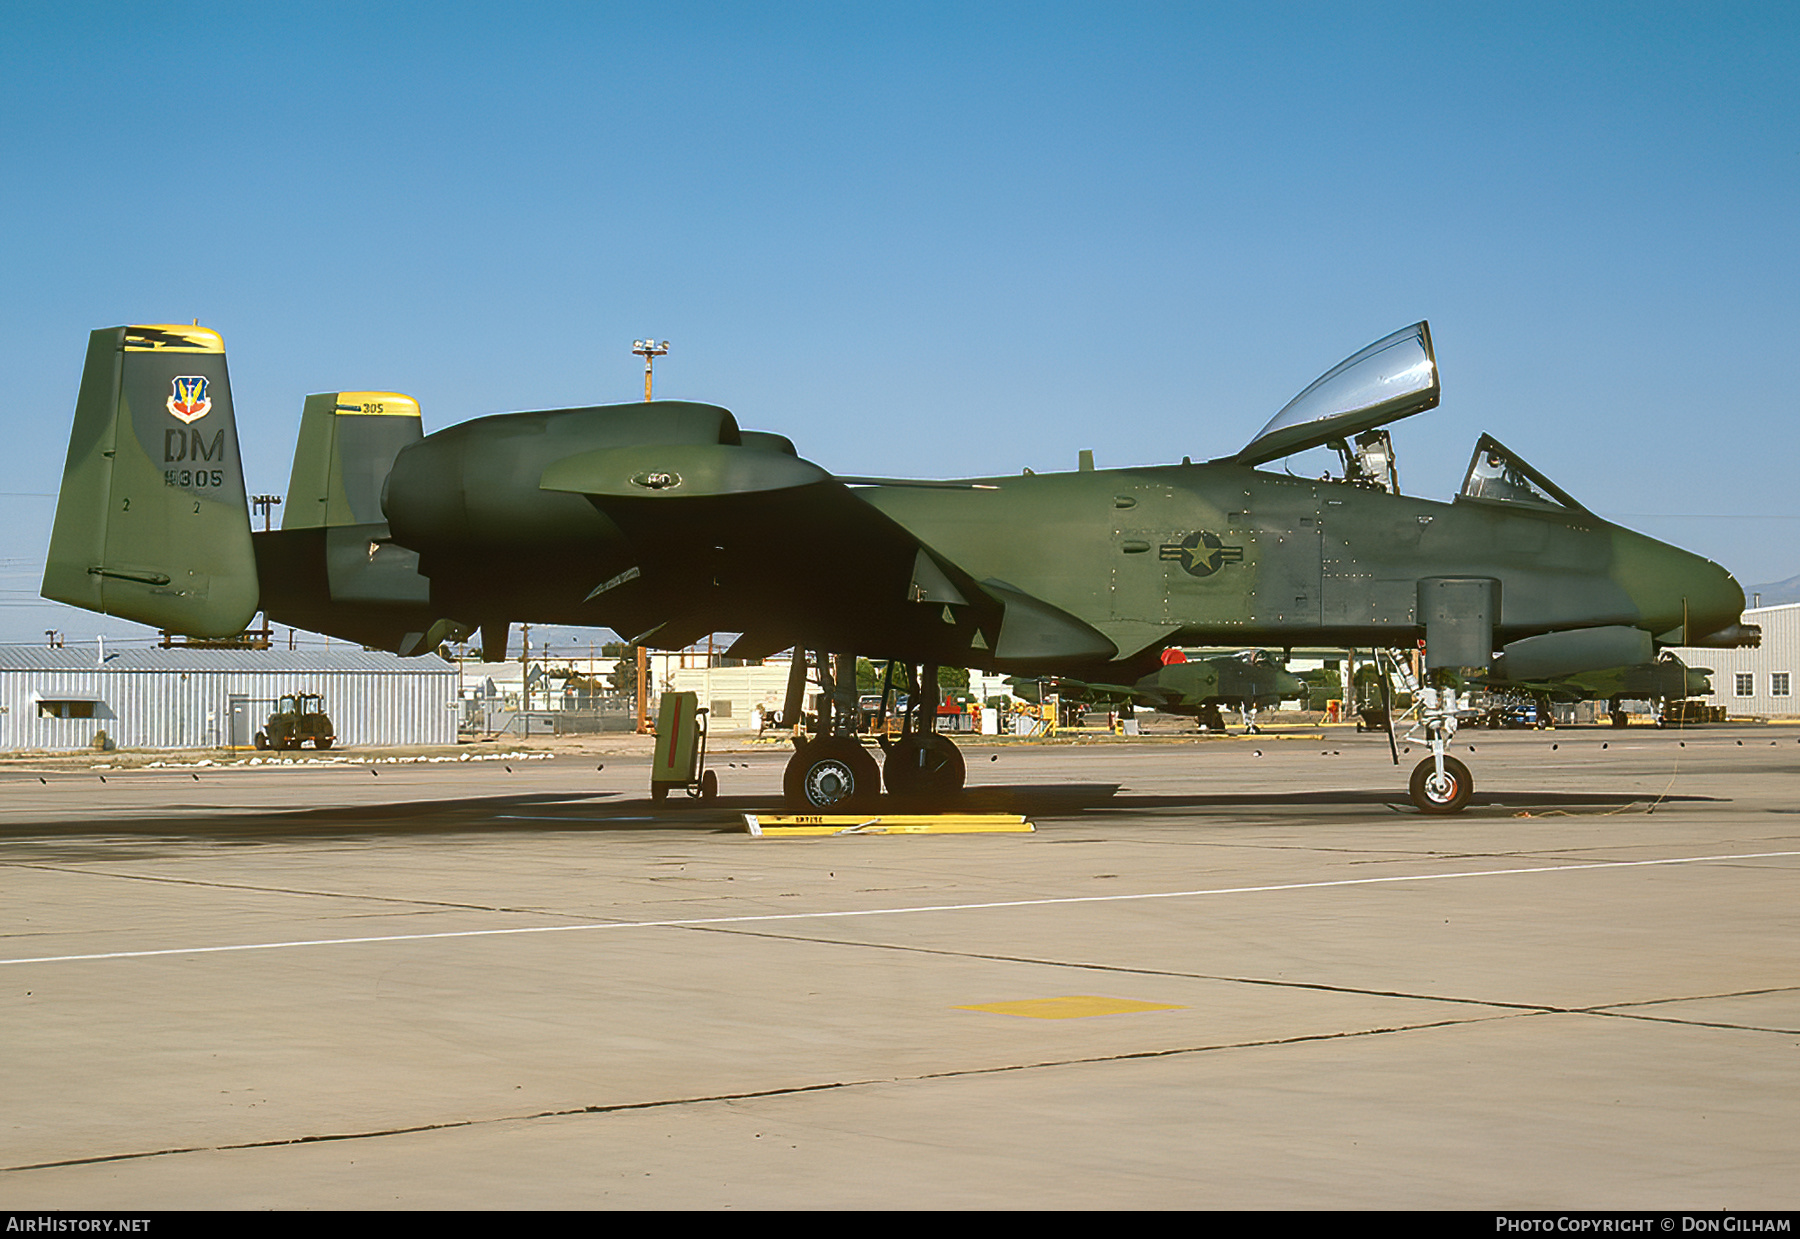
x=1393, y=378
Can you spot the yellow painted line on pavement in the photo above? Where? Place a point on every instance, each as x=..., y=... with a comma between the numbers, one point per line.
x=814, y=825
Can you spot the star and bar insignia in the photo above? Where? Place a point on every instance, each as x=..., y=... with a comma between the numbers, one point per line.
x=1202, y=554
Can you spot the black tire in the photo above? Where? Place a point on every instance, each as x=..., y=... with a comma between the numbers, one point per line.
x=709, y=787
x=833, y=774
x=659, y=792
x=261, y=741
x=321, y=742
x=1439, y=800
x=927, y=769
x=1619, y=718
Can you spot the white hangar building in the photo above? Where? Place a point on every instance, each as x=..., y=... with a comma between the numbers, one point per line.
x=1759, y=683
x=182, y=698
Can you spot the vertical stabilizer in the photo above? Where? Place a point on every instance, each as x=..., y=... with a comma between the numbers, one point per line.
x=348, y=441
x=151, y=521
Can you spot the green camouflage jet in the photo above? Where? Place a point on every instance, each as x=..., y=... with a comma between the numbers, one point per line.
x=1196, y=687
x=1665, y=681
x=666, y=520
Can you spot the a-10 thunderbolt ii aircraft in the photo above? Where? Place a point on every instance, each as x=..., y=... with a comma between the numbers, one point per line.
x=1197, y=687
x=1666, y=681
x=666, y=520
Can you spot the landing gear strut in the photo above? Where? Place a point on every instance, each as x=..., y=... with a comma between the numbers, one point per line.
x=1440, y=784
x=921, y=766
x=831, y=770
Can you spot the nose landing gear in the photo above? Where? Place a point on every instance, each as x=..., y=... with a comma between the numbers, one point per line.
x=1440, y=784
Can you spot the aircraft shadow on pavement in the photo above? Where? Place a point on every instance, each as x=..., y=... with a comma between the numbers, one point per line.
x=180, y=827
x=184, y=825
x=1053, y=800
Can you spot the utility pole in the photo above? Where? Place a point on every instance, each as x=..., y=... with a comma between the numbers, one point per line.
x=649, y=350
x=263, y=504
x=643, y=690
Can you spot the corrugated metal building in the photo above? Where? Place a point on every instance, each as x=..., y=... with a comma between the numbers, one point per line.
x=1759, y=683
x=199, y=698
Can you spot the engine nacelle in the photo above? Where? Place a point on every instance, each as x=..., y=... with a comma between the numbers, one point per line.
x=477, y=484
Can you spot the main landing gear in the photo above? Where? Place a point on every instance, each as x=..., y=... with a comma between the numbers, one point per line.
x=831, y=770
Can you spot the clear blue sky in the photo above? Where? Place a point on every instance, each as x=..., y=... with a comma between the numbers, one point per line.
x=934, y=239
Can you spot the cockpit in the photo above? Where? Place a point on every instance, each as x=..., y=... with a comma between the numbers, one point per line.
x=1496, y=475
x=1348, y=407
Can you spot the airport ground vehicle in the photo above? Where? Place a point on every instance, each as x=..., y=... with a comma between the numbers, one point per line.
x=298, y=718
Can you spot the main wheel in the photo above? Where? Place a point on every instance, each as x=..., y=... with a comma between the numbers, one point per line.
x=659, y=792
x=261, y=741
x=833, y=773
x=1445, y=794
x=925, y=768
x=709, y=787
x=321, y=742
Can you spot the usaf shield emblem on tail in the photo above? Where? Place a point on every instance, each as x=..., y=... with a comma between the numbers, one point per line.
x=188, y=399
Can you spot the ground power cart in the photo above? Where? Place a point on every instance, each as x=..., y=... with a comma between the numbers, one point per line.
x=680, y=756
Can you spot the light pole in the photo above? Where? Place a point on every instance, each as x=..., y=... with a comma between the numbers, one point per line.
x=649, y=350
x=265, y=504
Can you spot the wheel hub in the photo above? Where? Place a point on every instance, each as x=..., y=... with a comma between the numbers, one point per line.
x=828, y=783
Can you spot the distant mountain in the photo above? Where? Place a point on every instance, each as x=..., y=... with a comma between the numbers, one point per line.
x=1775, y=592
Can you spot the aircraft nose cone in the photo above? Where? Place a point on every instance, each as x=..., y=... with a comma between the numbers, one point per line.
x=1681, y=597
x=1714, y=600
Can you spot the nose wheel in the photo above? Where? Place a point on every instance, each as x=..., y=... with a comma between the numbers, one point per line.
x=1445, y=792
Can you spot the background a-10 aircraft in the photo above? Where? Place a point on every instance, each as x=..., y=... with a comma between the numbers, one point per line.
x=1196, y=686
x=666, y=520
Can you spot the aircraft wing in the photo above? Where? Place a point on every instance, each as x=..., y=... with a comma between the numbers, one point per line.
x=805, y=558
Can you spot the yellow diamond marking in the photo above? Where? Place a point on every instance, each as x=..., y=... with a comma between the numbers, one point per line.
x=1072, y=1007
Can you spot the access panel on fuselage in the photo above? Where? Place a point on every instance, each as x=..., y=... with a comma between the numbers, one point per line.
x=1276, y=526
x=1172, y=563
